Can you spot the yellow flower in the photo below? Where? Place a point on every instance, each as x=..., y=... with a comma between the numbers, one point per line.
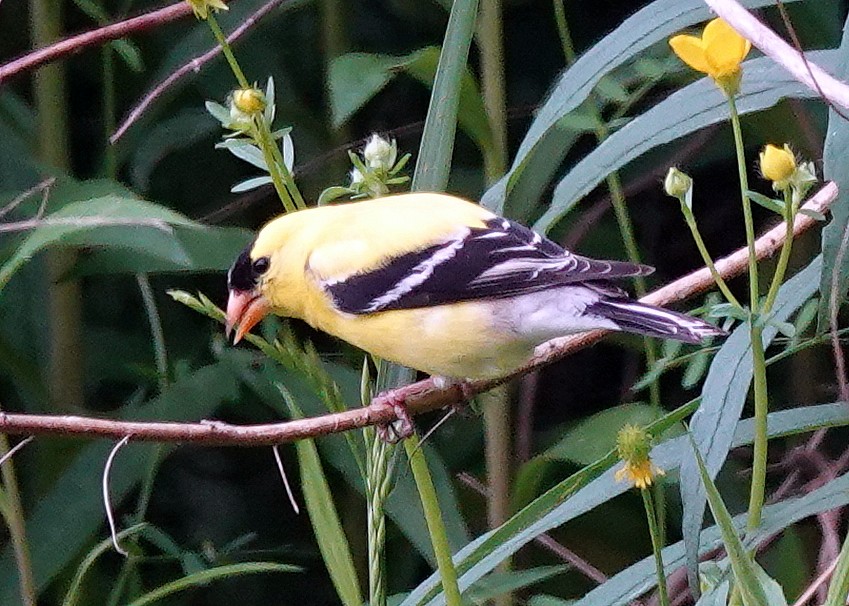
x=718, y=53
x=641, y=475
x=201, y=8
x=634, y=444
x=778, y=164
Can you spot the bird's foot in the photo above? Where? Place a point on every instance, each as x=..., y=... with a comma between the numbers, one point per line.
x=402, y=427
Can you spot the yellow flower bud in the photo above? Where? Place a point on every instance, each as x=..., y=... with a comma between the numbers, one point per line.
x=249, y=100
x=718, y=53
x=676, y=183
x=778, y=164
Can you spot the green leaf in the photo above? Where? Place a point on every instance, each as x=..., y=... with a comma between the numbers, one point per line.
x=838, y=589
x=499, y=583
x=809, y=212
x=687, y=110
x=595, y=484
x=723, y=396
x=112, y=221
x=73, y=594
x=545, y=144
x=835, y=168
x=776, y=206
x=355, y=78
x=249, y=184
x=592, y=438
x=718, y=596
x=207, y=249
x=326, y=525
x=434, y=158
x=207, y=576
x=741, y=563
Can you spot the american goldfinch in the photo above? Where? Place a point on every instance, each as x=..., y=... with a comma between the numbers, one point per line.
x=436, y=283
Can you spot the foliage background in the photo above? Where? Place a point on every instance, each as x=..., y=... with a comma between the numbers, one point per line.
x=228, y=505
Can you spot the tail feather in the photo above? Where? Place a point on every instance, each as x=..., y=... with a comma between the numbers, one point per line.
x=633, y=316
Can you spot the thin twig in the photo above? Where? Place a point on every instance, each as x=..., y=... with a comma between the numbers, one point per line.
x=44, y=187
x=107, y=504
x=289, y=493
x=192, y=66
x=113, y=31
x=420, y=397
x=816, y=584
x=15, y=449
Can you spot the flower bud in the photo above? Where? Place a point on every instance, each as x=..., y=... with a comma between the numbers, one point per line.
x=380, y=153
x=777, y=164
x=249, y=100
x=676, y=183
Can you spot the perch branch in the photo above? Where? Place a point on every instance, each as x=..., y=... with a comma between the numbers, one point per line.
x=420, y=397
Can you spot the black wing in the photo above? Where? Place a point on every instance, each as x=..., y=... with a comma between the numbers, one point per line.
x=500, y=260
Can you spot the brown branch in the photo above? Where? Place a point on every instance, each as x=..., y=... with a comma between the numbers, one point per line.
x=420, y=397
x=74, y=44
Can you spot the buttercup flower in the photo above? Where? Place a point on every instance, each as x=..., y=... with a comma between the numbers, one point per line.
x=201, y=8
x=717, y=53
x=634, y=444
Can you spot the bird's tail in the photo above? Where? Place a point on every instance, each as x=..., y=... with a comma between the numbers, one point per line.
x=643, y=319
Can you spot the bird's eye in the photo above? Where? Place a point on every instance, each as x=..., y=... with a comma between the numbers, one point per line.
x=260, y=266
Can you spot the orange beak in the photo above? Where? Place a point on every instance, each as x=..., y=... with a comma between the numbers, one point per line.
x=244, y=311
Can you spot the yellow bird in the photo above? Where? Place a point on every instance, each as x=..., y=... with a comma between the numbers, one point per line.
x=436, y=283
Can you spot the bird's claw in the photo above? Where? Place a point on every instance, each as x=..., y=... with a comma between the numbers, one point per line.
x=399, y=429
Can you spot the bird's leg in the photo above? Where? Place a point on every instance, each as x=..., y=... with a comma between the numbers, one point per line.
x=466, y=392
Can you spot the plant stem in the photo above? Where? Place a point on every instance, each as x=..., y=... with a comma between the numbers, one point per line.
x=708, y=260
x=656, y=545
x=761, y=394
x=784, y=257
x=228, y=52
x=263, y=138
x=13, y=514
x=490, y=43
x=756, y=497
x=435, y=525
x=267, y=139
x=747, y=205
